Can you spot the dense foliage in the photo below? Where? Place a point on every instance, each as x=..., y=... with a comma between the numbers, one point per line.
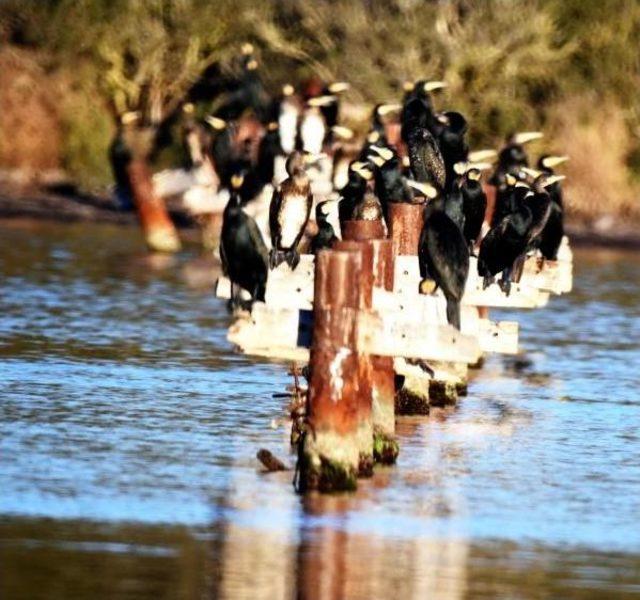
x=571, y=67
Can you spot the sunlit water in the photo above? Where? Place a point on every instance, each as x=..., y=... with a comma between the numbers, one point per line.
x=128, y=433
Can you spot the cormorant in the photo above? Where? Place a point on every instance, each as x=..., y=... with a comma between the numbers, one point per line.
x=331, y=110
x=452, y=142
x=353, y=192
x=326, y=236
x=420, y=92
x=390, y=184
x=443, y=254
x=243, y=252
x=427, y=164
x=289, y=212
x=552, y=234
x=368, y=209
x=475, y=205
x=513, y=156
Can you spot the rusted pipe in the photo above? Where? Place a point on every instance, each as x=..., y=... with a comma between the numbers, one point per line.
x=159, y=231
x=329, y=454
x=405, y=227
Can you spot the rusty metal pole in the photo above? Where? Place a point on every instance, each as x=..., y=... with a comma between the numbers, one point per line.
x=159, y=231
x=329, y=453
x=365, y=365
x=405, y=225
x=385, y=446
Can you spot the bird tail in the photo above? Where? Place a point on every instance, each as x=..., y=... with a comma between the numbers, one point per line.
x=453, y=312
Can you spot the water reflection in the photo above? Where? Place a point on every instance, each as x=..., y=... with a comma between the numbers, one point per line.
x=128, y=432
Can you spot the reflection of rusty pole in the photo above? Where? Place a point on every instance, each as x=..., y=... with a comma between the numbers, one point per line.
x=159, y=231
x=329, y=455
x=365, y=365
x=385, y=447
x=405, y=227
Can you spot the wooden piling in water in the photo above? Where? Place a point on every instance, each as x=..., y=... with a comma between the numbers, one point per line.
x=385, y=446
x=159, y=231
x=329, y=455
x=405, y=227
x=365, y=366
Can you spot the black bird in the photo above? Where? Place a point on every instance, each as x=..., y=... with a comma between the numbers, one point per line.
x=540, y=204
x=326, y=236
x=513, y=156
x=331, y=110
x=420, y=92
x=243, y=252
x=452, y=142
x=443, y=254
x=353, y=192
x=475, y=205
x=427, y=164
x=223, y=152
x=505, y=195
x=289, y=212
x=552, y=234
x=390, y=183
x=505, y=243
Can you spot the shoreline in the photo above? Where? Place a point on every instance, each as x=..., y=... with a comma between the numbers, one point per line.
x=63, y=204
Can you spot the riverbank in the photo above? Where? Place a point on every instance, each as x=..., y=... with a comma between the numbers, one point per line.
x=58, y=200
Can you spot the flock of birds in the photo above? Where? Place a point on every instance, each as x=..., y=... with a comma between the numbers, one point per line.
x=424, y=159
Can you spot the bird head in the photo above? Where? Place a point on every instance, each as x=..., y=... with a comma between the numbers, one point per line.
x=337, y=87
x=288, y=90
x=362, y=169
x=548, y=162
x=524, y=137
x=424, y=189
x=216, y=123
x=481, y=155
x=320, y=101
x=382, y=110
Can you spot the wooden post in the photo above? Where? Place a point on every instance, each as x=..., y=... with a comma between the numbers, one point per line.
x=360, y=230
x=159, y=231
x=405, y=227
x=329, y=455
x=385, y=446
x=365, y=365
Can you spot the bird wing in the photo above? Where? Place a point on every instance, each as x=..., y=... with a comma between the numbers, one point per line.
x=274, y=208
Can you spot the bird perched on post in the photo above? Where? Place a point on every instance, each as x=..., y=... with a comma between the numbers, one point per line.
x=242, y=250
x=390, y=183
x=353, y=192
x=289, y=212
x=552, y=234
x=443, y=254
x=452, y=142
x=326, y=236
x=513, y=156
x=421, y=92
x=427, y=164
x=474, y=201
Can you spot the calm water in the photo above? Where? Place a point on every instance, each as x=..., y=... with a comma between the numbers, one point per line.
x=128, y=433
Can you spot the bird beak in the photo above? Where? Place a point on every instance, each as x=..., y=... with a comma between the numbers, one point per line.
x=554, y=161
x=342, y=132
x=313, y=159
x=481, y=155
x=442, y=118
x=361, y=169
x=534, y=173
x=554, y=179
x=481, y=166
x=510, y=180
x=373, y=137
x=338, y=87
x=287, y=89
x=431, y=86
x=378, y=161
x=385, y=109
x=130, y=117
x=522, y=184
x=321, y=100
x=428, y=191
x=460, y=168
x=237, y=181
x=384, y=153
x=527, y=136
x=216, y=123
x=474, y=175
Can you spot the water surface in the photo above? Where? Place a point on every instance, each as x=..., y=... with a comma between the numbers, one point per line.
x=128, y=433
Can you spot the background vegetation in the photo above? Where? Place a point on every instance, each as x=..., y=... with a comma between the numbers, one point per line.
x=570, y=67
